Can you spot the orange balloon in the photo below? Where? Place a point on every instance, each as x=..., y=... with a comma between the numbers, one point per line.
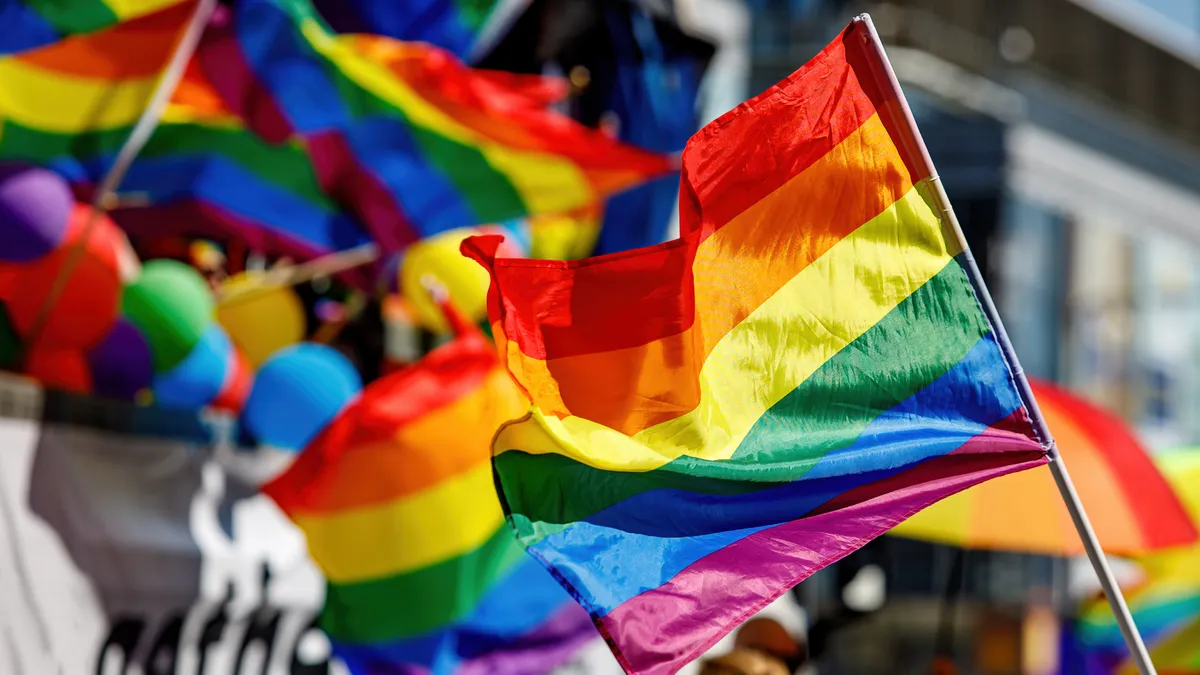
x=61, y=369
x=90, y=300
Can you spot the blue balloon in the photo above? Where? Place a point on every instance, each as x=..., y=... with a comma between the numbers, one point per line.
x=297, y=393
x=198, y=378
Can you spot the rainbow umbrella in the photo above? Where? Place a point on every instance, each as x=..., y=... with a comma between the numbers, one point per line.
x=1131, y=505
x=1170, y=596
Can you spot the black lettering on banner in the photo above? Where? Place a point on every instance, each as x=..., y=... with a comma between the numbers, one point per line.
x=125, y=634
x=264, y=624
x=214, y=628
x=164, y=654
x=163, y=658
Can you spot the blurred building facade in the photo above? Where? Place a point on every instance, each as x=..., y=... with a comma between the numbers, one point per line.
x=1067, y=133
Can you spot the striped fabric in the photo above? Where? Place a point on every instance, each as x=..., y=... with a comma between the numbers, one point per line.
x=70, y=106
x=417, y=142
x=717, y=417
x=452, y=25
x=397, y=502
x=29, y=24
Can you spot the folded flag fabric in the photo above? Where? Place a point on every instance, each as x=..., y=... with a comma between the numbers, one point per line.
x=397, y=502
x=29, y=24
x=70, y=106
x=416, y=141
x=450, y=24
x=715, y=418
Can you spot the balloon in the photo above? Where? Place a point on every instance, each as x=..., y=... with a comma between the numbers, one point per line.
x=10, y=343
x=465, y=281
x=59, y=368
x=121, y=365
x=261, y=321
x=172, y=306
x=35, y=205
x=297, y=392
x=239, y=377
x=87, y=308
x=195, y=381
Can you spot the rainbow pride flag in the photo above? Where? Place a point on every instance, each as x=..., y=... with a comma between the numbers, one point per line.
x=29, y=24
x=718, y=417
x=71, y=105
x=397, y=502
x=453, y=25
x=419, y=143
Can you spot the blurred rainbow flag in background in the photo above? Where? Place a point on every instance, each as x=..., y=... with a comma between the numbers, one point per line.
x=29, y=24
x=718, y=417
x=71, y=105
x=397, y=501
x=453, y=25
x=414, y=140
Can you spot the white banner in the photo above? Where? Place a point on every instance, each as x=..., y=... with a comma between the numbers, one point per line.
x=129, y=554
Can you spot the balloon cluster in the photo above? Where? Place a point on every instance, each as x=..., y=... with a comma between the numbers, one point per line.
x=158, y=334
x=41, y=228
x=106, y=331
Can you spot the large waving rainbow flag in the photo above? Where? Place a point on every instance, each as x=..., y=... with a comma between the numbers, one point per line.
x=29, y=24
x=71, y=105
x=419, y=143
x=397, y=501
x=716, y=418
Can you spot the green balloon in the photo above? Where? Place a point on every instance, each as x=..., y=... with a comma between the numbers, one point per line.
x=172, y=305
x=10, y=342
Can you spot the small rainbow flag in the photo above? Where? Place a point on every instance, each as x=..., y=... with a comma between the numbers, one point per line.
x=718, y=417
x=397, y=501
x=419, y=143
x=453, y=25
x=71, y=105
x=29, y=24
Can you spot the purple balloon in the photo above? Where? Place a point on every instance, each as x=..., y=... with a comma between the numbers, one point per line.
x=35, y=205
x=121, y=364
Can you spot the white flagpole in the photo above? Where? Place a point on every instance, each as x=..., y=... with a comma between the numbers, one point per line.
x=886, y=79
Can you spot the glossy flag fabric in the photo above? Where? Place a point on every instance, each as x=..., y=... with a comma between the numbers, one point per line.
x=71, y=105
x=414, y=140
x=29, y=24
x=716, y=418
x=397, y=502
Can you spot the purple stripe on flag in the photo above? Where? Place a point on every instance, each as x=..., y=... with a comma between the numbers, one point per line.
x=715, y=594
x=224, y=64
x=540, y=651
